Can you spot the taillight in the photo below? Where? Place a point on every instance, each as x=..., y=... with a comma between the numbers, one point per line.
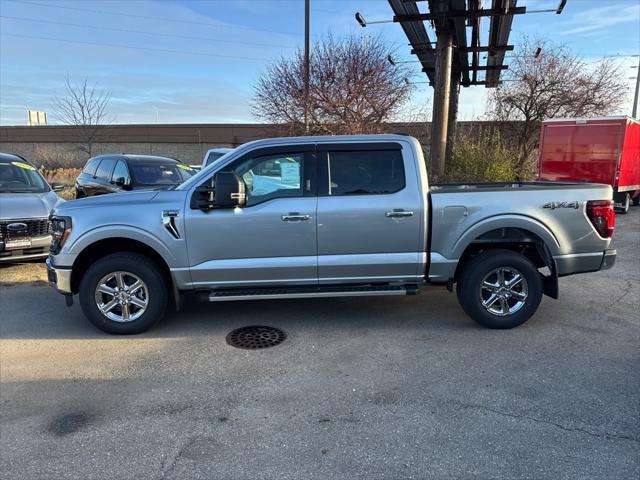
x=602, y=216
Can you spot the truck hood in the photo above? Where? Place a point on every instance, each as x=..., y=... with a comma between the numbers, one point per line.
x=28, y=205
x=109, y=200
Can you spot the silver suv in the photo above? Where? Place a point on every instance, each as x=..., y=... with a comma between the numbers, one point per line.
x=26, y=199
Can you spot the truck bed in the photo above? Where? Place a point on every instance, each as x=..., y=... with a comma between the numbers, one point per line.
x=554, y=212
x=502, y=186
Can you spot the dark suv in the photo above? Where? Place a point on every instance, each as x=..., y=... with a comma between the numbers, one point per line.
x=117, y=173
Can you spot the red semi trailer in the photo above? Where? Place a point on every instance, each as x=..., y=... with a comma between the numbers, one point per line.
x=598, y=150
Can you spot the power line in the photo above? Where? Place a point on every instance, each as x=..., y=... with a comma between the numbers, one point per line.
x=145, y=33
x=130, y=47
x=147, y=17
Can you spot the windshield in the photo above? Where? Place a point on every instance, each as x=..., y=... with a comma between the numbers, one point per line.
x=20, y=177
x=214, y=156
x=161, y=173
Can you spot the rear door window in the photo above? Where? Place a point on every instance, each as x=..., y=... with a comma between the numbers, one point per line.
x=369, y=172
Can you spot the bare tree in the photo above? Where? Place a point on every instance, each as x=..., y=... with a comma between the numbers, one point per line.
x=353, y=88
x=85, y=106
x=553, y=84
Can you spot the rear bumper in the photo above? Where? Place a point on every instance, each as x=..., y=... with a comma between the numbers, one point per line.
x=608, y=259
x=59, y=278
x=585, y=262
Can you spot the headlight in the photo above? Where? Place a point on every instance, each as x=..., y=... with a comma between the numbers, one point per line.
x=60, y=230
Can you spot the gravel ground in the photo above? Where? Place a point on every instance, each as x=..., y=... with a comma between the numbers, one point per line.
x=23, y=274
x=362, y=388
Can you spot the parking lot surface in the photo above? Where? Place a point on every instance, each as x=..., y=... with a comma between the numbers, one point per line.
x=389, y=387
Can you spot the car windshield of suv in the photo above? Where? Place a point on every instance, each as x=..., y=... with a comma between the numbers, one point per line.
x=20, y=177
x=161, y=173
x=214, y=157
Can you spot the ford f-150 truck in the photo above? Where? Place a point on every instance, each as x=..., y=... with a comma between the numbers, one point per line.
x=326, y=217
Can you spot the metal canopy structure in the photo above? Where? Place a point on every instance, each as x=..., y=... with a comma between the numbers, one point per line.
x=455, y=16
x=453, y=60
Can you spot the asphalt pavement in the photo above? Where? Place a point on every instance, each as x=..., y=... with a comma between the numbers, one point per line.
x=389, y=387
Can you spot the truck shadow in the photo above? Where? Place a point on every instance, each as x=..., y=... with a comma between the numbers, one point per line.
x=37, y=312
x=433, y=310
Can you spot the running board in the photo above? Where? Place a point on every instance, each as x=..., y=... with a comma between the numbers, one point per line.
x=313, y=292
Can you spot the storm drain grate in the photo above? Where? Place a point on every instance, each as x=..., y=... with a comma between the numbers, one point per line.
x=255, y=337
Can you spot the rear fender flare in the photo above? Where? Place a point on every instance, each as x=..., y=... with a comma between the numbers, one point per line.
x=545, y=249
x=506, y=221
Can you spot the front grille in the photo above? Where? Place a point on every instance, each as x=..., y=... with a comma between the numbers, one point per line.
x=35, y=228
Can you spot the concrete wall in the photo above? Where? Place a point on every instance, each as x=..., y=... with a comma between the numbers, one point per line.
x=52, y=154
x=57, y=146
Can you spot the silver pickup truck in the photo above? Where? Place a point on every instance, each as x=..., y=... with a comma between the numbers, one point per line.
x=326, y=217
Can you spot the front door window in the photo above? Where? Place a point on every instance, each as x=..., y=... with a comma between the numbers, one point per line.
x=272, y=176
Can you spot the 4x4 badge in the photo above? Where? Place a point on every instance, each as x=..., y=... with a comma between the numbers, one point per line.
x=554, y=205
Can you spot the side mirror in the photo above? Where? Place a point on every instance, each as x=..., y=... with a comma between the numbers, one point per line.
x=57, y=187
x=121, y=182
x=225, y=190
x=229, y=190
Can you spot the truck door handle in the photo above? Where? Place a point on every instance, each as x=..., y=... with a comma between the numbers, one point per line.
x=295, y=217
x=398, y=214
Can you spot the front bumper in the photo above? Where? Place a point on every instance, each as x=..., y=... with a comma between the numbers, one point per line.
x=59, y=278
x=39, y=249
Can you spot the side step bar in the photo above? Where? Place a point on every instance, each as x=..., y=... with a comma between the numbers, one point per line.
x=307, y=292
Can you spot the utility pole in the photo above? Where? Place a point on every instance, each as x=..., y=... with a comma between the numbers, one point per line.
x=635, y=97
x=441, y=99
x=452, y=122
x=306, y=66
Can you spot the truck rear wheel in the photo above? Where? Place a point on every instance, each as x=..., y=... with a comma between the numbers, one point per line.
x=500, y=289
x=123, y=293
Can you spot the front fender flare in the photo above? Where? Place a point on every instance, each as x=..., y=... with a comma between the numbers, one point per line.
x=122, y=231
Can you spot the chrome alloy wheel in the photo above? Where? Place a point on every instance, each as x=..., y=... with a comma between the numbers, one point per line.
x=121, y=296
x=504, y=291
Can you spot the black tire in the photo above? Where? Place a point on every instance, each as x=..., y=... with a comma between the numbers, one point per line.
x=142, y=267
x=636, y=200
x=470, y=292
x=624, y=199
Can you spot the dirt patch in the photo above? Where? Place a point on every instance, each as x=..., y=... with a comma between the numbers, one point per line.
x=27, y=273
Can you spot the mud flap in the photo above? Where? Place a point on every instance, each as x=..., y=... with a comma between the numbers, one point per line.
x=178, y=298
x=549, y=282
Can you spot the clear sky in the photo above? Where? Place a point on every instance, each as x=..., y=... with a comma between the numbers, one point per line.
x=183, y=61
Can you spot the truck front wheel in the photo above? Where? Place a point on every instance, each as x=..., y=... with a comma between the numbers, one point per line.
x=123, y=293
x=500, y=288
